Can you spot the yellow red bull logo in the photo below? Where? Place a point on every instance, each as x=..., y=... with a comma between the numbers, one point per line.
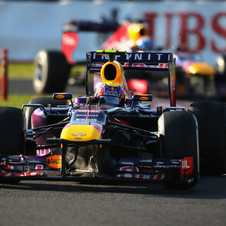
x=54, y=161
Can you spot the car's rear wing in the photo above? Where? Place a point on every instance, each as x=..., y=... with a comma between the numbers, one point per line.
x=147, y=61
x=142, y=61
x=86, y=25
x=71, y=37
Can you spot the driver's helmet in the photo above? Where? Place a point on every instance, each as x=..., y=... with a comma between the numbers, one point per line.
x=111, y=93
x=145, y=43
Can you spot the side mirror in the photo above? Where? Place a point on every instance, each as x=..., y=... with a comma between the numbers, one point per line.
x=142, y=97
x=63, y=96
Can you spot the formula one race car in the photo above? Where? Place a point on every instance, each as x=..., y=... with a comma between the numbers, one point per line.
x=113, y=134
x=195, y=79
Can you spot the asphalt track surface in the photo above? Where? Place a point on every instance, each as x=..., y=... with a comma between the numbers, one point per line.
x=71, y=203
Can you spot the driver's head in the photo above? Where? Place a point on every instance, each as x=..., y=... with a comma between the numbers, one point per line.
x=111, y=93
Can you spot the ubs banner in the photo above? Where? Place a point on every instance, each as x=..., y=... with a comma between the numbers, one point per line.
x=27, y=27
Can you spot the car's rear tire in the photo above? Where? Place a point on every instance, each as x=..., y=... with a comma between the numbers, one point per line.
x=178, y=138
x=51, y=72
x=44, y=101
x=12, y=139
x=211, y=121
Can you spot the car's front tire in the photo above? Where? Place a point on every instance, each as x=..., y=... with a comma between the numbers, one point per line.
x=178, y=138
x=12, y=139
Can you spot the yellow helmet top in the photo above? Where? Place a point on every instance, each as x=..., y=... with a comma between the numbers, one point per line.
x=112, y=73
x=136, y=31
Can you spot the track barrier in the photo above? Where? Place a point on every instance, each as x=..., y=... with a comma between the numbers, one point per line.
x=4, y=74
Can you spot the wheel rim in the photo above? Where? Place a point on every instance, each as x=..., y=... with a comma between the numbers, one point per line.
x=38, y=72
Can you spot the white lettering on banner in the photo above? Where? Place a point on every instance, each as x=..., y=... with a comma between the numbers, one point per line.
x=128, y=56
x=159, y=56
x=138, y=56
x=104, y=57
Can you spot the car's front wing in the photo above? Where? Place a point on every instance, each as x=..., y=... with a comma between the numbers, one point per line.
x=127, y=169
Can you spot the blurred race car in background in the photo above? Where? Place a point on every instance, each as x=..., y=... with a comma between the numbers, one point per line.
x=220, y=76
x=53, y=68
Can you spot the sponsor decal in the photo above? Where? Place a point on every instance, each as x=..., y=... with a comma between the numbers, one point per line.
x=42, y=152
x=138, y=176
x=78, y=136
x=54, y=161
x=186, y=166
x=128, y=169
x=39, y=167
x=144, y=98
x=110, y=90
x=86, y=120
x=91, y=111
x=137, y=56
x=70, y=40
x=60, y=96
x=142, y=65
x=111, y=94
x=20, y=174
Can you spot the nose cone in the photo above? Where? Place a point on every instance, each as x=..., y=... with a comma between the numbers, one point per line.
x=73, y=132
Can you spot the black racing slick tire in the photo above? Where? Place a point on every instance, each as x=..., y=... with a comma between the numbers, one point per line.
x=12, y=139
x=178, y=138
x=51, y=72
x=211, y=121
x=44, y=101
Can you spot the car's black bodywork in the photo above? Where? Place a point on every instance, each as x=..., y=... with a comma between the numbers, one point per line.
x=90, y=139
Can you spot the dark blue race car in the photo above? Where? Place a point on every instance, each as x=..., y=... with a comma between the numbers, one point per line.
x=112, y=134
